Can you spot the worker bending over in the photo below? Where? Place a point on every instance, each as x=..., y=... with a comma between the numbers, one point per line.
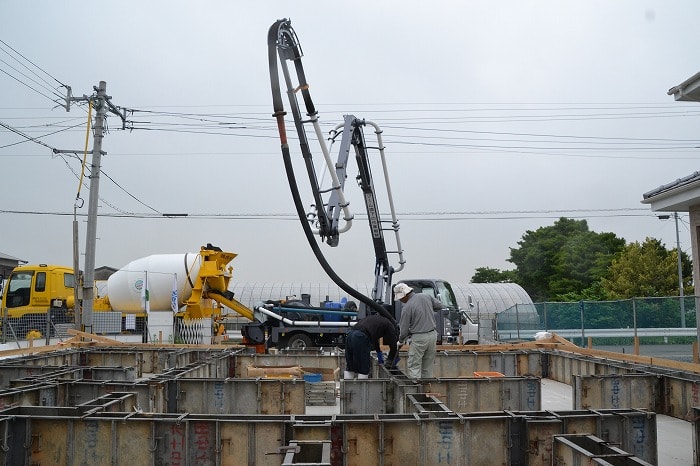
x=364, y=337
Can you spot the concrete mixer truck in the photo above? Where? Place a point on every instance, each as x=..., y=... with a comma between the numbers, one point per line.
x=191, y=285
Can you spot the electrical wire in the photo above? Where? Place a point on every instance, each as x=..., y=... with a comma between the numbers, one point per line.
x=32, y=70
x=407, y=216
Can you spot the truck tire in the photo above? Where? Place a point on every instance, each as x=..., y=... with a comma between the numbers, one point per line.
x=299, y=341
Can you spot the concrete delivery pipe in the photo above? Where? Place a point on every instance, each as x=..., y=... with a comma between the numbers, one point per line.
x=161, y=273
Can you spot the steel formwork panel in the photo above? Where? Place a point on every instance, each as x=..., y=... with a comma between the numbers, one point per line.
x=471, y=395
x=573, y=450
x=633, y=430
x=361, y=396
x=207, y=396
x=83, y=391
x=243, y=396
x=115, y=402
x=52, y=359
x=114, y=359
x=465, y=363
x=462, y=395
x=39, y=394
x=531, y=363
x=190, y=409
x=641, y=391
x=71, y=373
x=10, y=373
x=242, y=361
x=681, y=396
x=696, y=436
x=39, y=437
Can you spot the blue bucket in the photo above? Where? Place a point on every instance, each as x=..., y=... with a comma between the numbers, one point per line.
x=309, y=377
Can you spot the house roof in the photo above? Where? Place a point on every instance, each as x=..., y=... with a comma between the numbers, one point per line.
x=677, y=196
x=688, y=90
x=9, y=257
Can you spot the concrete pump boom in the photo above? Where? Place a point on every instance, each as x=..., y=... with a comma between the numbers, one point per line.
x=283, y=48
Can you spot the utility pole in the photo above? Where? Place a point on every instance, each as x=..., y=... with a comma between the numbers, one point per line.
x=91, y=234
x=680, y=272
x=681, y=293
x=84, y=306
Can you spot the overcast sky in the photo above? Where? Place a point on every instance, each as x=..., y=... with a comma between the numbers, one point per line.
x=498, y=116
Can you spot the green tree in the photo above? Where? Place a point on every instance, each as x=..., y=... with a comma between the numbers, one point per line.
x=490, y=275
x=563, y=258
x=595, y=292
x=646, y=269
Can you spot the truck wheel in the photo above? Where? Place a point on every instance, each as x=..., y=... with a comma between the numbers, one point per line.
x=299, y=341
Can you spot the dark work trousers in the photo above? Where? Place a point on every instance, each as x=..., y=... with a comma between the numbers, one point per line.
x=357, y=349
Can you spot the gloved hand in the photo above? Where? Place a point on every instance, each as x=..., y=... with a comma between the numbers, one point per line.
x=380, y=357
x=392, y=365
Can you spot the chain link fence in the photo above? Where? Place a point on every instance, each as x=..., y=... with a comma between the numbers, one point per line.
x=675, y=314
x=55, y=324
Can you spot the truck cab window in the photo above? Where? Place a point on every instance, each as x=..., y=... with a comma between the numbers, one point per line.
x=40, y=283
x=18, y=289
x=446, y=295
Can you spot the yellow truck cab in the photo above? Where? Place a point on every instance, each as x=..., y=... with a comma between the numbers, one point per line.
x=32, y=291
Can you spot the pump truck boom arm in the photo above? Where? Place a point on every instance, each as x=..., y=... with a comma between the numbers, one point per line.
x=352, y=135
x=284, y=47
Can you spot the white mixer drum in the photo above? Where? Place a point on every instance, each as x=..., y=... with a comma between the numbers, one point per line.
x=161, y=273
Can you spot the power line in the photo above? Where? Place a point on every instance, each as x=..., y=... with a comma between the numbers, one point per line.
x=44, y=84
x=445, y=215
x=58, y=152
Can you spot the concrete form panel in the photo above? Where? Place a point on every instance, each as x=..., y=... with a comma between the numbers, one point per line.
x=176, y=399
x=240, y=362
x=463, y=395
x=472, y=395
x=572, y=450
x=365, y=396
x=681, y=396
x=538, y=440
x=616, y=391
x=696, y=436
x=488, y=438
x=533, y=364
x=635, y=434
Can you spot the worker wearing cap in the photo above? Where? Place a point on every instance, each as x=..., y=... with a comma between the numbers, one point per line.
x=418, y=322
x=364, y=337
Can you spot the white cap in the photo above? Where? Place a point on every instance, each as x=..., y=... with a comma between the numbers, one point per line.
x=401, y=290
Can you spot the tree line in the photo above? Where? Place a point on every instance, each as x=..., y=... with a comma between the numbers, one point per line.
x=567, y=262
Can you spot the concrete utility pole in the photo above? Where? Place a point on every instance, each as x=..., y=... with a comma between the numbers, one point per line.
x=91, y=234
x=680, y=273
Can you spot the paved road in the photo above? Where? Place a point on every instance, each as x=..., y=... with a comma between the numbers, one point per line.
x=675, y=352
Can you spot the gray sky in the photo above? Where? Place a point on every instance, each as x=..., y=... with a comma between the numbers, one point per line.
x=498, y=117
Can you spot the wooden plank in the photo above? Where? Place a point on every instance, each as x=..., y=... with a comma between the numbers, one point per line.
x=92, y=336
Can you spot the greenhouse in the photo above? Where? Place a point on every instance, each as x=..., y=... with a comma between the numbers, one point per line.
x=483, y=300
